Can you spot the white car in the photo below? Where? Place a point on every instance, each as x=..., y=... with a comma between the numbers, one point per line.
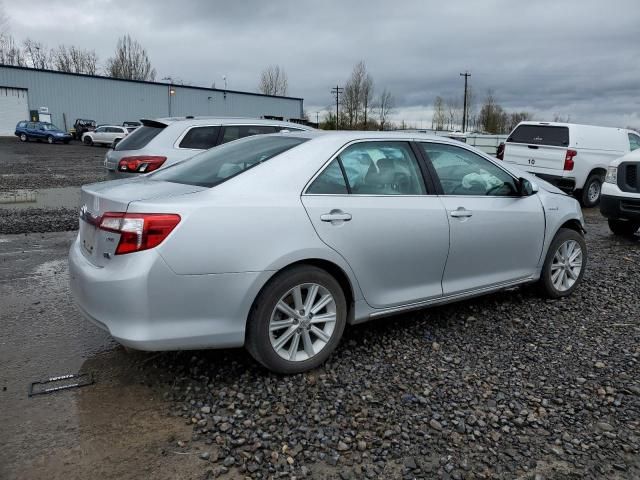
x=105, y=135
x=620, y=201
x=573, y=157
x=165, y=141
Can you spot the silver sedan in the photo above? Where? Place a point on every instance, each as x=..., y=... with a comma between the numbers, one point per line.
x=277, y=242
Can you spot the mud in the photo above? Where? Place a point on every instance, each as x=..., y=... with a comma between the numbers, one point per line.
x=118, y=427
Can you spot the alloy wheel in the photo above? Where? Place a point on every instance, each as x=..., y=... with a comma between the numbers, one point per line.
x=594, y=191
x=566, y=265
x=302, y=322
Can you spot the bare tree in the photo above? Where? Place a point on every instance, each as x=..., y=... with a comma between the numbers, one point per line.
x=454, y=113
x=36, y=54
x=367, y=97
x=273, y=81
x=384, y=107
x=439, y=114
x=74, y=60
x=130, y=61
x=352, y=95
x=11, y=53
x=561, y=118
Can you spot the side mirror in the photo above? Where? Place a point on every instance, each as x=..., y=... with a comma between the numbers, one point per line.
x=526, y=188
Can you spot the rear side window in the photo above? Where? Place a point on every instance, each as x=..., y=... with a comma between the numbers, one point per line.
x=21, y=125
x=541, y=135
x=234, y=132
x=202, y=138
x=329, y=182
x=212, y=167
x=139, y=138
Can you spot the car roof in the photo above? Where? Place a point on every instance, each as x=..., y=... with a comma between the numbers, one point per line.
x=350, y=135
x=224, y=120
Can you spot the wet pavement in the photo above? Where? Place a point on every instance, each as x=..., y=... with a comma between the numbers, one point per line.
x=116, y=428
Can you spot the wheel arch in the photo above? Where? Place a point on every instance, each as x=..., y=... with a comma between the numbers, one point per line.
x=572, y=224
x=597, y=171
x=335, y=270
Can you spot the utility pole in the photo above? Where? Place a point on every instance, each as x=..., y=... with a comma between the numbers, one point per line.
x=464, y=108
x=337, y=91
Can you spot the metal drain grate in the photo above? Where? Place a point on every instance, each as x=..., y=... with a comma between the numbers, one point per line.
x=62, y=382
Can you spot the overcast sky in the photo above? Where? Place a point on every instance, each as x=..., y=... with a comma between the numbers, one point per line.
x=568, y=57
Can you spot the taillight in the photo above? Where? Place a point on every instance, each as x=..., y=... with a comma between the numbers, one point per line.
x=500, y=151
x=141, y=163
x=568, y=159
x=139, y=231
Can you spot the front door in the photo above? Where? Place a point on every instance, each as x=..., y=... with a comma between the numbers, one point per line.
x=383, y=221
x=497, y=235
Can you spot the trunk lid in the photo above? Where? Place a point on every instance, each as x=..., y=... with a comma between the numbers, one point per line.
x=538, y=147
x=96, y=199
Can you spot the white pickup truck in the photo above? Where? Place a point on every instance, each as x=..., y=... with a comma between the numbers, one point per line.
x=573, y=157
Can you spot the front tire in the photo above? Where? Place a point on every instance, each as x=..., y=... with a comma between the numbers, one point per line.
x=50, y=140
x=565, y=264
x=87, y=140
x=297, y=320
x=591, y=191
x=23, y=137
x=623, y=228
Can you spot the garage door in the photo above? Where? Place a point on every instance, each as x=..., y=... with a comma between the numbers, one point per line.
x=13, y=108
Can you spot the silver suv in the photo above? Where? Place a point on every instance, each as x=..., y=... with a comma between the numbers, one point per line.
x=165, y=141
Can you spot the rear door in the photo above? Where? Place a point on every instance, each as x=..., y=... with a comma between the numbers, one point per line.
x=536, y=147
x=496, y=235
x=383, y=220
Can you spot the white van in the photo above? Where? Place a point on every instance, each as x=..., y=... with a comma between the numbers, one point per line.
x=571, y=156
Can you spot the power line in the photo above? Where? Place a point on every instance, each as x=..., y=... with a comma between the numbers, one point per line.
x=337, y=90
x=464, y=108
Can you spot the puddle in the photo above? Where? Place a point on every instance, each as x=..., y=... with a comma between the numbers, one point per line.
x=68, y=197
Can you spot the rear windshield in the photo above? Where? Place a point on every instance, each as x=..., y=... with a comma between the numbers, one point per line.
x=540, y=135
x=214, y=166
x=139, y=138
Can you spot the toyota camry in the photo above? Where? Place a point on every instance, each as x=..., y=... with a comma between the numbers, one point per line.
x=277, y=242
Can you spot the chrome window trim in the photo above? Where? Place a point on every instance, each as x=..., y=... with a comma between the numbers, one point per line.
x=345, y=146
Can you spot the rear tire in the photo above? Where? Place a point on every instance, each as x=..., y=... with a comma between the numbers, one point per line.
x=591, y=191
x=291, y=340
x=623, y=228
x=23, y=137
x=564, y=265
x=87, y=140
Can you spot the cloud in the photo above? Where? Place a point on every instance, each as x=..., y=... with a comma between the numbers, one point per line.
x=575, y=57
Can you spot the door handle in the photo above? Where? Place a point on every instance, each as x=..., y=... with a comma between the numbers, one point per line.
x=461, y=212
x=335, y=216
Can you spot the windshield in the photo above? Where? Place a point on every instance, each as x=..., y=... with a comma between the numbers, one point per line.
x=50, y=126
x=214, y=166
x=139, y=138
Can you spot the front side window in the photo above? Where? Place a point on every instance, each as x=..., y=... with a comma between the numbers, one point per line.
x=462, y=172
x=634, y=141
x=234, y=132
x=201, y=138
x=212, y=167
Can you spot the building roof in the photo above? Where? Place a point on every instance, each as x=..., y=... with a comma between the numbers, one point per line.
x=102, y=77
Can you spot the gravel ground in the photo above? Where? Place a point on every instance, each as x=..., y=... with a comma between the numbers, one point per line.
x=506, y=386
x=34, y=165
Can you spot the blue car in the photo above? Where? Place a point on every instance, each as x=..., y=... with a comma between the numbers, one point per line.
x=41, y=131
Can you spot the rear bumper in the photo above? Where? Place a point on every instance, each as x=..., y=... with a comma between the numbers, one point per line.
x=620, y=207
x=566, y=184
x=146, y=306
